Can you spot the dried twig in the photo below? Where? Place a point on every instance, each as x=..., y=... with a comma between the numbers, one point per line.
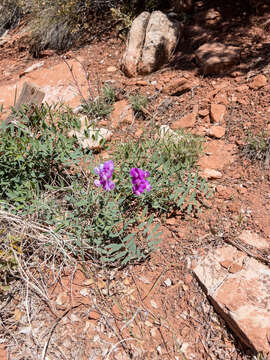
x=248, y=252
x=45, y=348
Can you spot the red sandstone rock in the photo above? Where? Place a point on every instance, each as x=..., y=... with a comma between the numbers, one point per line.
x=222, y=98
x=216, y=58
x=258, y=82
x=210, y=174
x=3, y=352
x=210, y=18
x=185, y=122
x=179, y=86
x=242, y=88
x=217, y=112
x=254, y=240
x=239, y=293
x=217, y=131
x=204, y=112
x=218, y=155
x=122, y=112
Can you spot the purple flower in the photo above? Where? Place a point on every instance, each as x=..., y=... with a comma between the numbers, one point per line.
x=139, y=182
x=105, y=172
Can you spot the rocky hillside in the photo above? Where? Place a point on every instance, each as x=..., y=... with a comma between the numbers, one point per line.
x=184, y=97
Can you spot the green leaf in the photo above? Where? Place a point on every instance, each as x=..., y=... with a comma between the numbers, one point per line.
x=113, y=248
x=202, y=185
x=127, y=259
x=132, y=246
x=192, y=197
x=183, y=198
x=119, y=255
x=149, y=223
x=156, y=227
x=155, y=236
x=154, y=243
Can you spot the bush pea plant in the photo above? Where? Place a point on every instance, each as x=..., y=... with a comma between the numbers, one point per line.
x=101, y=210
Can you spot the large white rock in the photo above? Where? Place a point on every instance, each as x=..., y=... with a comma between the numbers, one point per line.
x=151, y=43
x=133, y=52
x=161, y=38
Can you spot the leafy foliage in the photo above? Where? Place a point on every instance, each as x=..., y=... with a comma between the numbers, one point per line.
x=101, y=106
x=43, y=175
x=34, y=152
x=257, y=147
x=138, y=102
x=170, y=163
x=46, y=175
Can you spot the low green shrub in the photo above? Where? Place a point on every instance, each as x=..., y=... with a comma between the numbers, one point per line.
x=138, y=102
x=257, y=146
x=101, y=106
x=171, y=165
x=34, y=152
x=45, y=175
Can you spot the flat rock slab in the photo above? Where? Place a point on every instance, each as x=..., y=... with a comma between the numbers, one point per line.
x=56, y=82
x=122, y=112
x=255, y=240
x=218, y=155
x=217, y=58
x=238, y=286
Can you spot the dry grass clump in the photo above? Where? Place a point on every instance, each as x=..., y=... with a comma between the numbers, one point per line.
x=27, y=245
x=11, y=12
x=61, y=24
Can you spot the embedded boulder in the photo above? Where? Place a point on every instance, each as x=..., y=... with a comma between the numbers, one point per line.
x=135, y=44
x=161, y=38
x=238, y=287
x=151, y=43
x=217, y=58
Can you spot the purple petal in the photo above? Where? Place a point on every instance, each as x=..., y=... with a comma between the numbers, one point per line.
x=133, y=172
x=109, y=185
x=136, y=181
x=97, y=183
x=142, y=186
x=136, y=191
x=146, y=174
x=109, y=166
x=104, y=176
x=141, y=174
x=137, y=173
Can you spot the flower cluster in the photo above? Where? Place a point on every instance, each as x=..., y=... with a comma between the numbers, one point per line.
x=105, y=172
x=138, y=178
x=139, y=182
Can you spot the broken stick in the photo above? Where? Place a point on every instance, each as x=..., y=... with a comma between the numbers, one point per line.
x=30, y=95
